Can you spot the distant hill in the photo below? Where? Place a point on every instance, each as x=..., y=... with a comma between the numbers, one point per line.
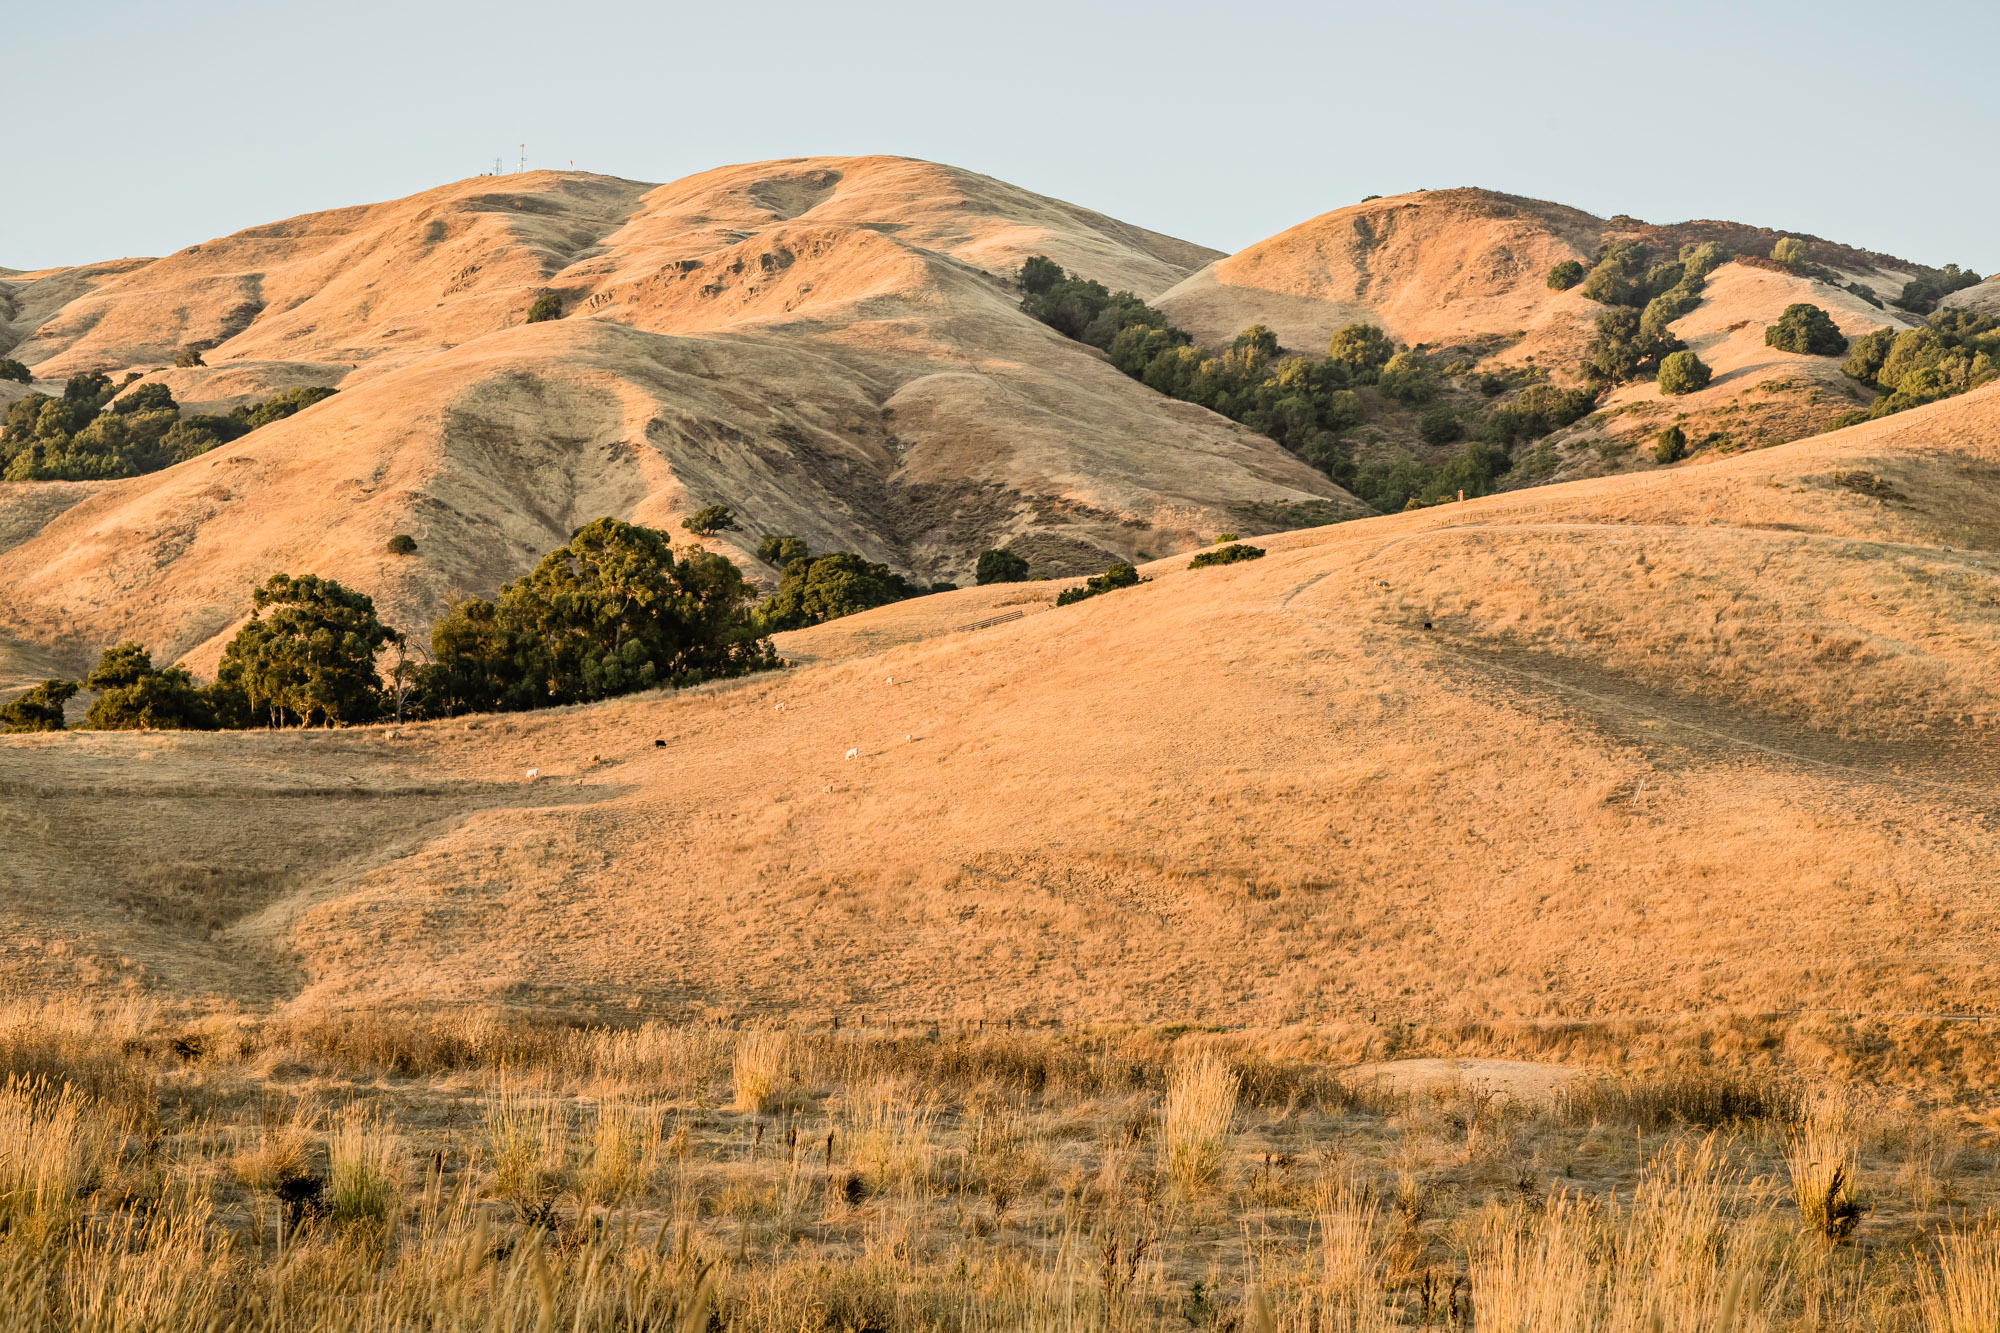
x=830, y=346
x=1464, y=273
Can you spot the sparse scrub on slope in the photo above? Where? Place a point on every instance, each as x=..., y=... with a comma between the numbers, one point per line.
x=1119, y=575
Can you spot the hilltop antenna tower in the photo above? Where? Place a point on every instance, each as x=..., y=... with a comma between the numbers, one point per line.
x=496, y=166
x=524, y=157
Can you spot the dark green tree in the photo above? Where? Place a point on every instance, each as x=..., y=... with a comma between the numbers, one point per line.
x=1000, y=566
x=1226, y=555
x=616, y=610
x=147, y=398
x=1257, y=340
x=1440, y=426
x=781, y=548
x=306, y=657
x=546, y=307
x=1119, y=575
x=402, y=544
x=1670, y=445
x=11, y=369
x=40, y=709
x=1565, y=275
x=1683, y=372
x=1806, y=329
x=1038, y=274
x=188, y=357
x=711, y=520
x=1408, y=380
x=133, y=696
x=829, y=586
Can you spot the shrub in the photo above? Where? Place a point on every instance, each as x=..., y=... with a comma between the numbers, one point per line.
x=277, y=407
x=1623, y=349
x=133, y=696
x=1119, y=575
x=40, y=709
x=1867, y=354
x=711, y=520
x=546, y=307
x=1363, y=349
x=1791, y=252
x=188, y=357
x=306, y=655
x=826, y=587
x=1956, y=351
x=1084, y=310
x=1565, y=275
x=781, y=548
x=1670, y=445
x=1226, y=555
x=1000, y=566
x=1038, y=274
x=1440, y=426
x=1619, y=276
x=615, y=610
x=11, y=369
x=402, y=544
x=1683, y=372
x=1200, y=1110
x=1256, y=340
x=1806, y=329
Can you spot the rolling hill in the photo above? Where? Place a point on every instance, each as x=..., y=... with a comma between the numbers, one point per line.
x=828, y=345
x=1464, y=272
x=1607, y=751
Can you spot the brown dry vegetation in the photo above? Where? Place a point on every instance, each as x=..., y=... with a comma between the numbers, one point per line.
x=491, y=1169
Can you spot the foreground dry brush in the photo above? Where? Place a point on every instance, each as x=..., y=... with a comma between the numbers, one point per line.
x=487, y=1171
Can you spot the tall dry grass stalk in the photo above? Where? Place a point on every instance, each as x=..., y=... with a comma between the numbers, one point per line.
x=1962, y=1294
x=364, y=1174
x=54, y=1147
x=1670, y=1260
x=530, y=1137
x=761, y=1069
x=1200, y=1108
x=891, y=1136
x=1347, y=1292
x=1820, y=1158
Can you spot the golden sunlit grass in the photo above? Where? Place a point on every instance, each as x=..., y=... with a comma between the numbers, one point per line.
x=1126, y=1179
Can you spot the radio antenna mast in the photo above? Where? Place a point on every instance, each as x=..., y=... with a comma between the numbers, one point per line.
x=524, y=157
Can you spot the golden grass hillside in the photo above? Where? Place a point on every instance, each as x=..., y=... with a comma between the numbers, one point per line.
x=830, y=346
x=1701, y=760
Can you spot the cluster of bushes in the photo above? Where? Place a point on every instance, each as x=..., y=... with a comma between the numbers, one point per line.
x=1301, y=402
x=1226, y=555
x=1410, y=483
x=815, y=588
x=1956, y=351
x=1119, y=575
x=1921, y=295
x=618, y=609
x=1645, y=297
x=93, y=433
x=10, y=369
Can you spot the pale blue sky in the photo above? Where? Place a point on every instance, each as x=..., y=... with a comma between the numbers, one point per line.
x=139, y=127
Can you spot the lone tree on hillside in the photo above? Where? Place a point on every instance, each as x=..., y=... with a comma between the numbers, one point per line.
x=547, y=306
x=707, y=522
x=1565, y=275
x=40, y=709
x=10, y=369
x=1000, y=566
x=1684, y=372
x=307, y=657
x=402, y=544
x=1806, y=329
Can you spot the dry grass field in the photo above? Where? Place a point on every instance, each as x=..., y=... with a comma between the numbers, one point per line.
x=481, y=1170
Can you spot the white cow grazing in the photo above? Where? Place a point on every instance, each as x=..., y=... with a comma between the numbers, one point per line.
x=854, y=753
x=534, y=773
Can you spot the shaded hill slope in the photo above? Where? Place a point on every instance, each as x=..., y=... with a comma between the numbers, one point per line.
x=1649, y=744
x=823, y=344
